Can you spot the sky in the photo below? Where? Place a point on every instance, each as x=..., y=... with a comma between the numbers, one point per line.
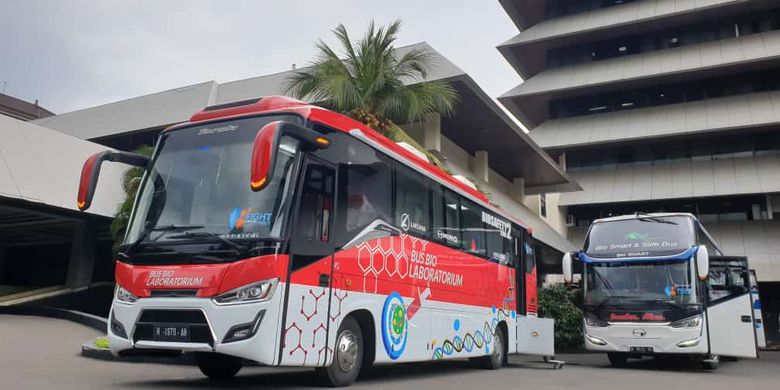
x=77, y=54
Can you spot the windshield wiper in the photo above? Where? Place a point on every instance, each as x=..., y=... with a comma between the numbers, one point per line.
x=670, y=303
x=604, y=301
x=653, y=218
x=137, y=243
x=240, y=248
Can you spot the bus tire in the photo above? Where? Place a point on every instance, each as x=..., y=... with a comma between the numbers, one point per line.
x=218, y=367
x=497, y=356
x=618, y=359
x=347, y=357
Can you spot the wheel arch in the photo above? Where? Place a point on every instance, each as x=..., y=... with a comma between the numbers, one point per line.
x=365, y=319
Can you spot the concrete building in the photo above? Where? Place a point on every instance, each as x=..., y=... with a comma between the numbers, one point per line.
x=479, y=141
x=47, y=247
x=659, y=105
x=20, y=109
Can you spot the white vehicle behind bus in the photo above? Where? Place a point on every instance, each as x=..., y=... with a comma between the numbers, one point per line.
x=658, y=284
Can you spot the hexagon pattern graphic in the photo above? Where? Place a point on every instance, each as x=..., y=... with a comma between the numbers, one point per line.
x=389, y=258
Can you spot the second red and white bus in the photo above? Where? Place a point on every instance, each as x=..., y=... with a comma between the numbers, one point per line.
x=275, y=232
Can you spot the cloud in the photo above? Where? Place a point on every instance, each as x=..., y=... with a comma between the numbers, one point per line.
x=77, y=54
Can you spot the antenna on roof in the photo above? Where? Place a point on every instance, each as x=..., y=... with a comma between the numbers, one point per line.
x=4, y=84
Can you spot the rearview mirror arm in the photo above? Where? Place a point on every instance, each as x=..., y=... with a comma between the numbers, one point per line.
x=134, y=159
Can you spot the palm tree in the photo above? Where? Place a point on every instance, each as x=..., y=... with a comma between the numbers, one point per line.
x=366, y=81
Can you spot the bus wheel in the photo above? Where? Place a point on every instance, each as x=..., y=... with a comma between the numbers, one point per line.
x=348, y=356
x=218, y=367
x=497, y=355
x=617, y=359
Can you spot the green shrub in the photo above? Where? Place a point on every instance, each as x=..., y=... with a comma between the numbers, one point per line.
x=101, y=342
x=562, y=303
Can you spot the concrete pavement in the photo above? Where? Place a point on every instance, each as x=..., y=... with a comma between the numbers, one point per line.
x=38, y=353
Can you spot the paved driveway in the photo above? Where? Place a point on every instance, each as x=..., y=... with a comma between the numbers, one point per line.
x=43, y=353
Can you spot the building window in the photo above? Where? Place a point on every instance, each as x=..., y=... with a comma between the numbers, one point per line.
x=746, y=24
x=690, y=91
x=543, y=205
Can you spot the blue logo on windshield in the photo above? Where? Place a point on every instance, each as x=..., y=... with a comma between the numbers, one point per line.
x=245, y=217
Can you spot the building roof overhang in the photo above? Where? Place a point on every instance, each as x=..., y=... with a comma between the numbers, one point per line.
x=530, y=100
x=527, y=51
x=524, y=13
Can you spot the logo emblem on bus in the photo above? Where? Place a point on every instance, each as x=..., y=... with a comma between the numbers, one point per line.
x=405, y=222
x=639, y=332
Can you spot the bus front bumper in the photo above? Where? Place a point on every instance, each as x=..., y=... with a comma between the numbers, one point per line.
x=646, y=339
x=248, y=330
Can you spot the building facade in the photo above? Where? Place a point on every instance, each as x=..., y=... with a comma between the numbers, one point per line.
x=479, y=141
x=659, y=105
x=21, y=110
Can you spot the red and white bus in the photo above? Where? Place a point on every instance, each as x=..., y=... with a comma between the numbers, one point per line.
x=274, y=232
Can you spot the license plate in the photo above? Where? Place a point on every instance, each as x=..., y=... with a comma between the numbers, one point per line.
x=166, y=332
x=641, y=349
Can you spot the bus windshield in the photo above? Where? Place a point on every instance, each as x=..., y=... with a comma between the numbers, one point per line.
x=198, y=186
x=644, y=236
x=626, y=284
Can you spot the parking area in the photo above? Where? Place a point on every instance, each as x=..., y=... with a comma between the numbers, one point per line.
x=40, y=353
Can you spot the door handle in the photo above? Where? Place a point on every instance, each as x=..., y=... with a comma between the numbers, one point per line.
x=324, y=280
x=747, y=319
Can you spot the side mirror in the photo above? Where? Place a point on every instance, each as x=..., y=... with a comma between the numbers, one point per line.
x=567, y=267
x=267, y=144
x=91, y=171
x=703, y=262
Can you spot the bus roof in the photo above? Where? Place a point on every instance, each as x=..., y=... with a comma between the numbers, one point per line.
x=354, y=128
x=661, y=215
x=640, y=215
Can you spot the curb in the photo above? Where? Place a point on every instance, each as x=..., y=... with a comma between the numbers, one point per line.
x=89, y=350
x=86, y=319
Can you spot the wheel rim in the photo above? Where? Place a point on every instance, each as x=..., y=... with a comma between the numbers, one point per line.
x=498, y=349
x=346, y=351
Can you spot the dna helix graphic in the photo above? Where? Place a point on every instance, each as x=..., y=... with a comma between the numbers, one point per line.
x=481, y=338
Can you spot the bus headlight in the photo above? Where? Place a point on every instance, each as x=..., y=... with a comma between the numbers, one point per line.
x=689, y=343
x=124, y=296
x=690, y=322
x=255, y=292
x=595, y=340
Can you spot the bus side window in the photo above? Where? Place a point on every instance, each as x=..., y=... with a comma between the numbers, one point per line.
x=446, y=222
x=316, y=205
x=363, y=191
x=704, y=240
x=412, y=202
x=472, y=228
x=499, y=248
x=530, y=256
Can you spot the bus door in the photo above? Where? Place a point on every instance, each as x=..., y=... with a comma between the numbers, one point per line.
x=520, y=260
x=757, y=316
x=535, y=336
x=729, y=308
x=305, y=323
x=529, y=274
